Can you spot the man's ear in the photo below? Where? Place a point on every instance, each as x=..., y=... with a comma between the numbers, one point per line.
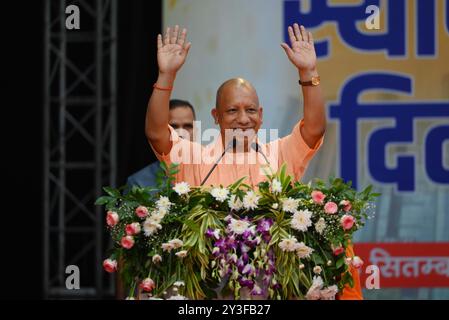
x=214, y=114
x=261, y=114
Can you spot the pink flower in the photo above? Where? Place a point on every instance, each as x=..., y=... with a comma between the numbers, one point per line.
x=347, y=221
x=112, y=218
x=127, y=242
x=110, y=265
x=357, y=262
x=338, y=250
x=313, y=295
x=330, y=208
x=141, y=211
x=132, y=228
x=147, y=284
x=318, y=197
x=346, y=205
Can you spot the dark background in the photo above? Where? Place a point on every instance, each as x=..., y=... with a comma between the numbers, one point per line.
x=139, y=22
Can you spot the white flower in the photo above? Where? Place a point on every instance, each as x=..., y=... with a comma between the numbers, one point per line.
x=250, y=200
x=176, y=243
x=177, y=297
x=181, y=188
x=179, y=284
x=290, y=205
x=314, y=291
x=317, y=282
x=301, y=220
x=220, y=194
x=130, y=298
x=238, y=226
x=275, y=206
x=181, y=254
x=303, y=251
x=276, y=186
x=167, y=247
x=288, y=244
x=163, y=203
x=320, y=225
x=357, y=262
x=157, y=216
x=301, y=266
x=150, y=227
x=329, y=293
x=317, y=270
x=157, y=258
x=235, y=203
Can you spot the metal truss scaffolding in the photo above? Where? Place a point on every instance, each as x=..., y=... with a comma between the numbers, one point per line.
x=79, y=143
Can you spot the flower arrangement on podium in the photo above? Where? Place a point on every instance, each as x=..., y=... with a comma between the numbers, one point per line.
x=280, y=240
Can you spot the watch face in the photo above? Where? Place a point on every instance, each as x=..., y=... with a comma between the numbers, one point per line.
x=315, y=81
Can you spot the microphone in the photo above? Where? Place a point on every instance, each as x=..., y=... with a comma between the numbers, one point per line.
x=231, y=144
x=255, y=146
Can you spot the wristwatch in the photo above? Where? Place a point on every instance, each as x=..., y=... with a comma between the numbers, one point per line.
x=314, y=82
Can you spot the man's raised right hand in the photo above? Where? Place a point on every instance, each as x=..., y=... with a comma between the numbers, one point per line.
x=172, y=50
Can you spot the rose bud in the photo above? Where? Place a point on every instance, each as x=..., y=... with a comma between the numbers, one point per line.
x=132, y=228
x=357, y=262
x=141, y=211
x=147, y=285
x=338, y=250
x=330, y=208
x=347, y=206
x=110, y=265
x=318, y=197
x=112, y=218
x=347, y=221
x=127, y=242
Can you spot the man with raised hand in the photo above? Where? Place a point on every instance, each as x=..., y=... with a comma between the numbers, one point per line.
x=239, y=115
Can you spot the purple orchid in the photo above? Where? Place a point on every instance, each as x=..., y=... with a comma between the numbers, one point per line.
x=245, y=282
x=264, y=225
x=248, y=269
x=211, y=233
x=231, y=243
x=257, y=291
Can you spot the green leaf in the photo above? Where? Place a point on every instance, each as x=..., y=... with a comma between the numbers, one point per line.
x=192, y=225
x=340, y=262
x=112, y=192
x=102, y=200
x=236, y=184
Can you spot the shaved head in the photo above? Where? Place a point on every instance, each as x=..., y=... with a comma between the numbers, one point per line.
x=237, y=111
x=233, y=85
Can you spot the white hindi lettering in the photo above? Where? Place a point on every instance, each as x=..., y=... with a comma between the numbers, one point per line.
x=409, y=267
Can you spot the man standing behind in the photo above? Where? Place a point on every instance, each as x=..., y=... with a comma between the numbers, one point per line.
x=182, y=116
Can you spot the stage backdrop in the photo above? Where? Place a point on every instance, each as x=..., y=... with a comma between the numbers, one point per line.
x=387, y=94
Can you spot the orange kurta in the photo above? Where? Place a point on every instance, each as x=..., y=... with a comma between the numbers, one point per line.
x=354, y=293
x=195, y=161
